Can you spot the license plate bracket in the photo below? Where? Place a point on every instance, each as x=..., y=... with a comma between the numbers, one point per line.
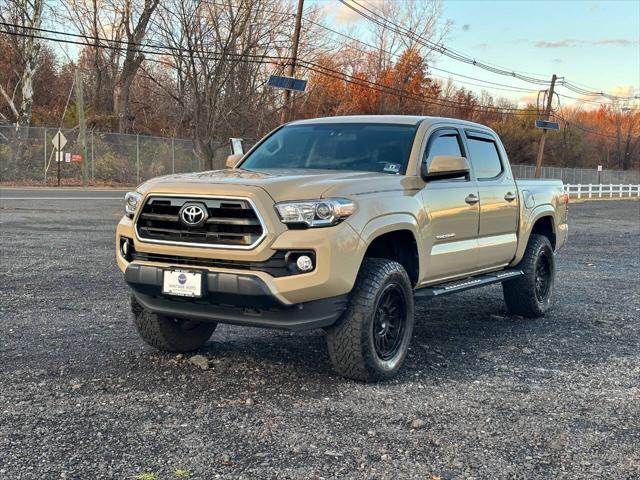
x=182, y=283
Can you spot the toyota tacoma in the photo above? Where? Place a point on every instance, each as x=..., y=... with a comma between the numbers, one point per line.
x=339, y=224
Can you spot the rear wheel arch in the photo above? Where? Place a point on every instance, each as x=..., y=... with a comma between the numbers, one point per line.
x=545, y=226
x=540, y=221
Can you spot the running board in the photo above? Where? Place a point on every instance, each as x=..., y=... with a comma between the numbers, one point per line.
x=468, y=283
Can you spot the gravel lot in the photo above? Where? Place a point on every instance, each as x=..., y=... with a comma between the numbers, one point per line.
x=483, y=395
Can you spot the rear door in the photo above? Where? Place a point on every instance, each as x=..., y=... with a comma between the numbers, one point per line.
x=453, y=213
x=497, y=234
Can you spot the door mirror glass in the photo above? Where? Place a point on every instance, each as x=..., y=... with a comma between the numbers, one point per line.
x=442, y=167
x=232, y=160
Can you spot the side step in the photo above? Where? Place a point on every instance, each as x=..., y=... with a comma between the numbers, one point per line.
x=468, y=283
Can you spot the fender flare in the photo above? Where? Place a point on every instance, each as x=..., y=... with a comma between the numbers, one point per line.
x=526, y=224
x=389, y=223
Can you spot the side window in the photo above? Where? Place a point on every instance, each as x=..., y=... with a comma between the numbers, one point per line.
x=444, y=145
x=484, y=157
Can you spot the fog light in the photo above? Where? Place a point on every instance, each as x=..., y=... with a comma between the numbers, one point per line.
x=304, y=263
x=125, y=248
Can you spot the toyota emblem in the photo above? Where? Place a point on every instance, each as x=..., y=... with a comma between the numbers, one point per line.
x=193, y=214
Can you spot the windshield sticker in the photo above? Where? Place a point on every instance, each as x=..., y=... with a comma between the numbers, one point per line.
x=392, y=167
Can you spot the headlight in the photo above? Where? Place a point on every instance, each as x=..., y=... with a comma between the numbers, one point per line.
x=131, y=201
x=315, y=213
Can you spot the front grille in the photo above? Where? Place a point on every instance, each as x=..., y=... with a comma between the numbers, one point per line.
x=231, y=222
x=276, y=266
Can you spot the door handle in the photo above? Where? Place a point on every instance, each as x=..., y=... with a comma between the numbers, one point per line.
x=472, y=199
x=510, y=197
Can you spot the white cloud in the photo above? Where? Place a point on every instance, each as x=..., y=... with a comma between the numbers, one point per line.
x=623, y=91
x=343, y=15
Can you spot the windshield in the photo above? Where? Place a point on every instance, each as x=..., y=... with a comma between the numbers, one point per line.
x=369, y=147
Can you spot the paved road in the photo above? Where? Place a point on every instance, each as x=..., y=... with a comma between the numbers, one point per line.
x=60, y=194
x=499, y=397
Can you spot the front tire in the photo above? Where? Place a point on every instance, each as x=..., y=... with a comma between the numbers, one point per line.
x=371, y=340
x=531, y=295
x=170, y=334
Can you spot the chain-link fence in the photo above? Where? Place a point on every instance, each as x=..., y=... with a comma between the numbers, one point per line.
x=579, y=175
x=27, y=155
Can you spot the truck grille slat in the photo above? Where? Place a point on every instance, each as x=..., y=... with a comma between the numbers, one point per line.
x=230, y=223
x=159, y=216
x=275, y=266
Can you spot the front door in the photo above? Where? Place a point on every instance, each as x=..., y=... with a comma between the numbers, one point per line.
x=452, y=208
x=497, y=237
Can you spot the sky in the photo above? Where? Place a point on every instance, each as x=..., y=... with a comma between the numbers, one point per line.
x=592, y=43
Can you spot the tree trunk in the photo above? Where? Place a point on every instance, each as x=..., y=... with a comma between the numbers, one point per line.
x=121, y=102
x=132, y=61
x=30, y=58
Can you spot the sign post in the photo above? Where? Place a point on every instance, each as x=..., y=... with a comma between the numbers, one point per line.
x=59, y=141
x=599, y=173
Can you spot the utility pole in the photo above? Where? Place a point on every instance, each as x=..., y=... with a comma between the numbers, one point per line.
x=547, y=114
x=82, y=133
x=292, y=63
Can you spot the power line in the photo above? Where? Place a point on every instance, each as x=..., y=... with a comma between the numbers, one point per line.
x=394, y=27
x=382, y=21
x=576, y=89
x=442, y=102
x=262, y=59
x=220, y=55
x=494, y=85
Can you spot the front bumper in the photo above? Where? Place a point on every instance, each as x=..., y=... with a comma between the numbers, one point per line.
x=338, y=251
x=303, y=300
x=240, y=299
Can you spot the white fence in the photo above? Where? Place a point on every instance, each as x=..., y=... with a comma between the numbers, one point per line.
x=602, y=190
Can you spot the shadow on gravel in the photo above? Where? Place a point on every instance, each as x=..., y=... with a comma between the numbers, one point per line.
x=455, y=339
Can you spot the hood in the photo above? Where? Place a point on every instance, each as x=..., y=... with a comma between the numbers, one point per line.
x=286, y=184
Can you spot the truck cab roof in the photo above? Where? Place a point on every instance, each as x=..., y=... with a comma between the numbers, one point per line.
x=389, y=119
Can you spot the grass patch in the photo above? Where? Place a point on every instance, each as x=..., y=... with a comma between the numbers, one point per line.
x=145, y=476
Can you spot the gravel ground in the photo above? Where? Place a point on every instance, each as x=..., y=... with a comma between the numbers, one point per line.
x=483, y=395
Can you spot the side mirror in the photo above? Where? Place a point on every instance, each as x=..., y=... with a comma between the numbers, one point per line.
x=443, y=167
x=232, y=160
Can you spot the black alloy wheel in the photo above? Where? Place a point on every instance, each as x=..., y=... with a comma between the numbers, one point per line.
x=389, y=322
x=543, y=276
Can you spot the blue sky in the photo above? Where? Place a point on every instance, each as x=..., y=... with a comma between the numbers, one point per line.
x=594, y=43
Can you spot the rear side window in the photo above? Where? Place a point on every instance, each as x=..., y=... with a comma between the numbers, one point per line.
x=484, y=157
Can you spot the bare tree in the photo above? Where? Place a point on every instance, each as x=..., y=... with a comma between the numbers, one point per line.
x=222, y=53
x=115, y=31
x=22, y=16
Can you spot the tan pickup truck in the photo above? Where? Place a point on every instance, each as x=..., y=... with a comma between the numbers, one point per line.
x=339, y=223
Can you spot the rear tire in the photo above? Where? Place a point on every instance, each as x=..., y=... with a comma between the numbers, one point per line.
x=371, y=340
x=531, y=295
x=170, y=334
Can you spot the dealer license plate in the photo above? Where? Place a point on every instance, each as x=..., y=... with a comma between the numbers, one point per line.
x=182, y=283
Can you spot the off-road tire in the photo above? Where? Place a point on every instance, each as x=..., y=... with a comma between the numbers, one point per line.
x=170, y=334
x=351, y=340
x=520, y=293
